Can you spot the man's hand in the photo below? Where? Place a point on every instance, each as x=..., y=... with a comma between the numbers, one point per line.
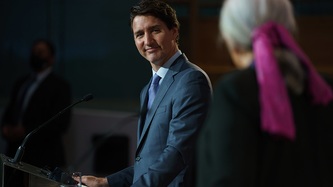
x=92, y=181
x=13, y=133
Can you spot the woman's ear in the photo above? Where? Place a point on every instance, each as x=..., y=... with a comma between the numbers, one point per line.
x=241, y=57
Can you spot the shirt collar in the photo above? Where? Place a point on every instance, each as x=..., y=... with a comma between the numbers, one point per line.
x=42, y=75
x=164, y=69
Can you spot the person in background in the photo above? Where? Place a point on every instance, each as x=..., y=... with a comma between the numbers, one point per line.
x=174, y=105
x=36, y=98
x=271, y=122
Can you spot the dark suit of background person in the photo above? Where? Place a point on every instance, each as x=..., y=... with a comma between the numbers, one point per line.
x=234, y=149
x=45, y=148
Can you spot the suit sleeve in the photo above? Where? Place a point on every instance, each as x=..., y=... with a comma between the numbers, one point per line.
x=8, y=118
x=228, y=143
x=122, y=178
x=189, y=109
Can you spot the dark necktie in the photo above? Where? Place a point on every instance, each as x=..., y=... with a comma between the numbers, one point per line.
x=153, y=89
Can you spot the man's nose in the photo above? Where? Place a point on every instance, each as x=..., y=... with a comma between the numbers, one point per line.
x=149, y=39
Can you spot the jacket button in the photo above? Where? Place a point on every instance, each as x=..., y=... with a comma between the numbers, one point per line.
x=138, y=158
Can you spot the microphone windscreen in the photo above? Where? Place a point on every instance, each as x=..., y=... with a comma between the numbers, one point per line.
x=88, y=97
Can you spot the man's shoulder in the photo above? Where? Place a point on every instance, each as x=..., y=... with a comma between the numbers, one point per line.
x=183, y=65
x=55, y=78
x=22, y=79
x=55, y=82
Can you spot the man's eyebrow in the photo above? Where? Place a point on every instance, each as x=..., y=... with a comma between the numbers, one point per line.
x=138, y=32
x=149, y=28
x=154, y=27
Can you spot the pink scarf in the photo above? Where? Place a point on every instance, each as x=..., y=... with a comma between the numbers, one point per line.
x=276, y=111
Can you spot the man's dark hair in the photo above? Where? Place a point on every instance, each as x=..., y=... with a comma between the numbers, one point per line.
x=158, y=9
x=47, y=43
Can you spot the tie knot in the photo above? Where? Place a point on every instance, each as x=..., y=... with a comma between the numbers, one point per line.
x=156, y=79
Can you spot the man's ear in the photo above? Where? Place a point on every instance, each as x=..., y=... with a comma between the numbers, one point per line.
x=175, y=32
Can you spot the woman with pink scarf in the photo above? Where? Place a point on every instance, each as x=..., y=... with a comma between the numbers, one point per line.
x=271, y=121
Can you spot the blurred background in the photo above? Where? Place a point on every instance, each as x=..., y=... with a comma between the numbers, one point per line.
x=95, y=52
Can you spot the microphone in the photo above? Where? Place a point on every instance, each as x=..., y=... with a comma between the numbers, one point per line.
x=86, y=98
x=20, y=150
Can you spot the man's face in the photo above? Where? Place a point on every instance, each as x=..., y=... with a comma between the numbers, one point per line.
x=41, y=57
x=154, y=40
x=41, y=50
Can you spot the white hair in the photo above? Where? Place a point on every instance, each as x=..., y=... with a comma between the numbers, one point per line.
x=238, y=18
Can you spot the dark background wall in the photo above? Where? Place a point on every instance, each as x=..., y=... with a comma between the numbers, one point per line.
x=94, y=45
x=96, y=51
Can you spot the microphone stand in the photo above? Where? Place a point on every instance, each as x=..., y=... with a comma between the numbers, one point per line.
x=20, y=150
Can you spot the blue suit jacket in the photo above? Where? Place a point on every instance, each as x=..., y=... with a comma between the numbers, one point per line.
x=167, y=133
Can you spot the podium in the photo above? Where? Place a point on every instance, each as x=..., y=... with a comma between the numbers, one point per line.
x=26, y=174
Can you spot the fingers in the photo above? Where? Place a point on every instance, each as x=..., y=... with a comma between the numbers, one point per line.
x=13, y=133
x=77, y=178
x=92, y=181
x=89, y=180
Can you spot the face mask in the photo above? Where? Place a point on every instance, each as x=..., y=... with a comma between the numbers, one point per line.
x=37, y=63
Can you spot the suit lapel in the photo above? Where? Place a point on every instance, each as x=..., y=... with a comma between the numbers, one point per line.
x=151, y=112
x=164, y=87
x=143, y=109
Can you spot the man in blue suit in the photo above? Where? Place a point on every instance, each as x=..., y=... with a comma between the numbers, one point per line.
x=173, y=105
